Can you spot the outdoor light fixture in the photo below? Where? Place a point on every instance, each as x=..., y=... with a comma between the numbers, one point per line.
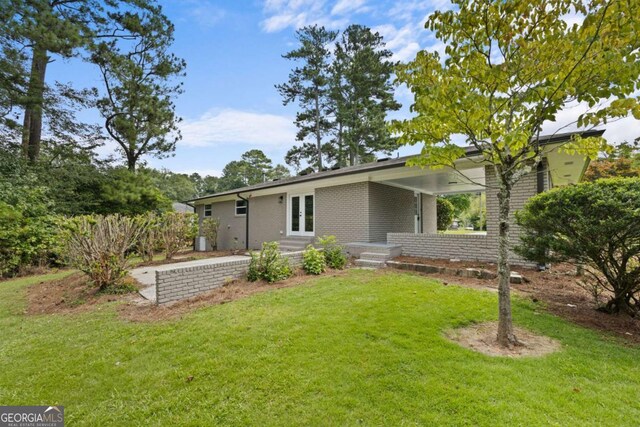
x=281, y=199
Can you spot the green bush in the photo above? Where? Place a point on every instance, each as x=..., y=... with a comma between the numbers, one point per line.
x=209, y=230
x=313, y=261
x=28, y=228
x=177, y=231
x=594, y=224
x=333, y=253
x=100, y=246
x=444, y=213
x=269, y=264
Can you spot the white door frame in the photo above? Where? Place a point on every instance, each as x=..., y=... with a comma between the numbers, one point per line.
x=301, y=232
x=417, y=215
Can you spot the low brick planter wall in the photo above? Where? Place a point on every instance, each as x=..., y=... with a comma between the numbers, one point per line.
x=185, y=282
x=476, y=273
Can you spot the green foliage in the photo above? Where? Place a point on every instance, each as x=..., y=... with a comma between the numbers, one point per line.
x=444, y=213
x=177, y=231
x=129, y=193
x=149, y=240
x=313, y=261
x=333, y=252
x=177, y=187
x=269, y=265
x=138, y=109
x=253, y=168
x=28, y=226
x=363, y=95
x=100, y=246
x=592, y=224
x=209, y=229
x=622, y=161
x=461, y=203
x=310, y=85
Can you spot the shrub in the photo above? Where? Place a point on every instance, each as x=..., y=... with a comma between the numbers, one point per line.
x=313, y=261
x=209, y=229
x=100, y=246
x=269, y=264
x=149, y=239
x=594, y=224
x=444, y=213
x=177, y=231
x=333, y=253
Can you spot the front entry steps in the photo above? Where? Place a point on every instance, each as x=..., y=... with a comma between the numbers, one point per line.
x=295, y=243
x=376, y=256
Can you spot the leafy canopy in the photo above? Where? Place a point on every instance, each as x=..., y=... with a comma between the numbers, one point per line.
x=512, y=65
x=595, y=224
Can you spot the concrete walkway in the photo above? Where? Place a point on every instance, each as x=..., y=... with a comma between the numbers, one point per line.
x=147, y=275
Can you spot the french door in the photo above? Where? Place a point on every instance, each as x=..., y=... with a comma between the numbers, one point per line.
x=301, y=215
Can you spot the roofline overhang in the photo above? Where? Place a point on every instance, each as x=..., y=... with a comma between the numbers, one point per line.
x=469, y=155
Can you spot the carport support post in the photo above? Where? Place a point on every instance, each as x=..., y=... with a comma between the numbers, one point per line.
x=246, y=225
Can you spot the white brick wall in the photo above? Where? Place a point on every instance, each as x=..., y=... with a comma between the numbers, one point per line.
x=473, y=247
x=180, y=283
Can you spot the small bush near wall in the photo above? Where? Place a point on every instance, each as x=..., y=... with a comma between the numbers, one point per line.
x=177, y=231
x=100, y=247
x=333, y=252
x=209, y=230
x=444, y=213
x=149, y=241
x=313, y=261
x=269, y=264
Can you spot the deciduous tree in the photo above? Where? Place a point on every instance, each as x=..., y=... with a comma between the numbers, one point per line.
x=509, y=67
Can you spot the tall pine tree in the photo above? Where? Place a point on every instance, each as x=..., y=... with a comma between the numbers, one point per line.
x=362, y=93
x=309, y=85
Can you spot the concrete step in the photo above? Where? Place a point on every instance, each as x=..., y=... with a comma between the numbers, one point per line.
x=291, y=248
x=369, y=263
x=375, y=256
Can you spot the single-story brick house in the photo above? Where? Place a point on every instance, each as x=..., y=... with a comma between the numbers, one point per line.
x=383, y=204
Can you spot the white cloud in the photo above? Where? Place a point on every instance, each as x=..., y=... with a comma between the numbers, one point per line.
x=205, y=13
x=346, y=6
x=282, y=14
x=229, y=126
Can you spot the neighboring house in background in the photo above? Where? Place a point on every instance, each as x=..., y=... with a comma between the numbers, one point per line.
x=381, y=207
x=182, y=207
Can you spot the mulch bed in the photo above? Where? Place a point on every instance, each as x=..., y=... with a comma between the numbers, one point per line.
x=556, y=289
x=71, y=294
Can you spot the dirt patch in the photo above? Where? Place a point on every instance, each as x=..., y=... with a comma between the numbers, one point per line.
x=143, y=311
x=188, y=256
x=482, y=338
x=556, y=289
x=71, y=294
x=447, y=263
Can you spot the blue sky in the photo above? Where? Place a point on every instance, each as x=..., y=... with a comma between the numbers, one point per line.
x=233, y=51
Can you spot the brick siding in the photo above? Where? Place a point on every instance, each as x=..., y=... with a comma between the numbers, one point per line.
x=186, y=282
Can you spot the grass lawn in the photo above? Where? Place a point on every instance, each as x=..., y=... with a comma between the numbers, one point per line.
x=365, y=348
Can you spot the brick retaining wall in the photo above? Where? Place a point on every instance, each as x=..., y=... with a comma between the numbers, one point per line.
x=185, y=282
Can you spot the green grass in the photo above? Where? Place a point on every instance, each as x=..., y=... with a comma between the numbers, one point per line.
x=364, y=348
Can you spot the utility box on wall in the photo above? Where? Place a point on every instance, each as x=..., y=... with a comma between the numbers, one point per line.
x=201, y=244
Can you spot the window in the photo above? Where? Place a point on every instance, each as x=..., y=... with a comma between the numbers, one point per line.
x=207, y=210
x=241, y=207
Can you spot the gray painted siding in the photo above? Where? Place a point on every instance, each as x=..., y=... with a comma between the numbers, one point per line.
x=231, y=226
x=343, y=211
x=267, y=219
x=391, y=210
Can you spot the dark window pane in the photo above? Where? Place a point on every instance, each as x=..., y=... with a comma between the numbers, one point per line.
x=308, y=213
x=295, y=213
x=241, y=207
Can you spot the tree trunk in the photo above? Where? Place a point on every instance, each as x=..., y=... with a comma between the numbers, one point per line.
x=506, y=336
x=318, y=135
x=131, y=162
x=32, y=131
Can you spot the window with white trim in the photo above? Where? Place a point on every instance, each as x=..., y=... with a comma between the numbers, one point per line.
x=207, y=210
x=241, y=207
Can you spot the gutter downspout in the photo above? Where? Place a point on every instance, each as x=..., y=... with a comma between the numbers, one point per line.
x=246, y=234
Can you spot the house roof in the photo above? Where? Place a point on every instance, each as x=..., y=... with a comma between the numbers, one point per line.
x=381, y=164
